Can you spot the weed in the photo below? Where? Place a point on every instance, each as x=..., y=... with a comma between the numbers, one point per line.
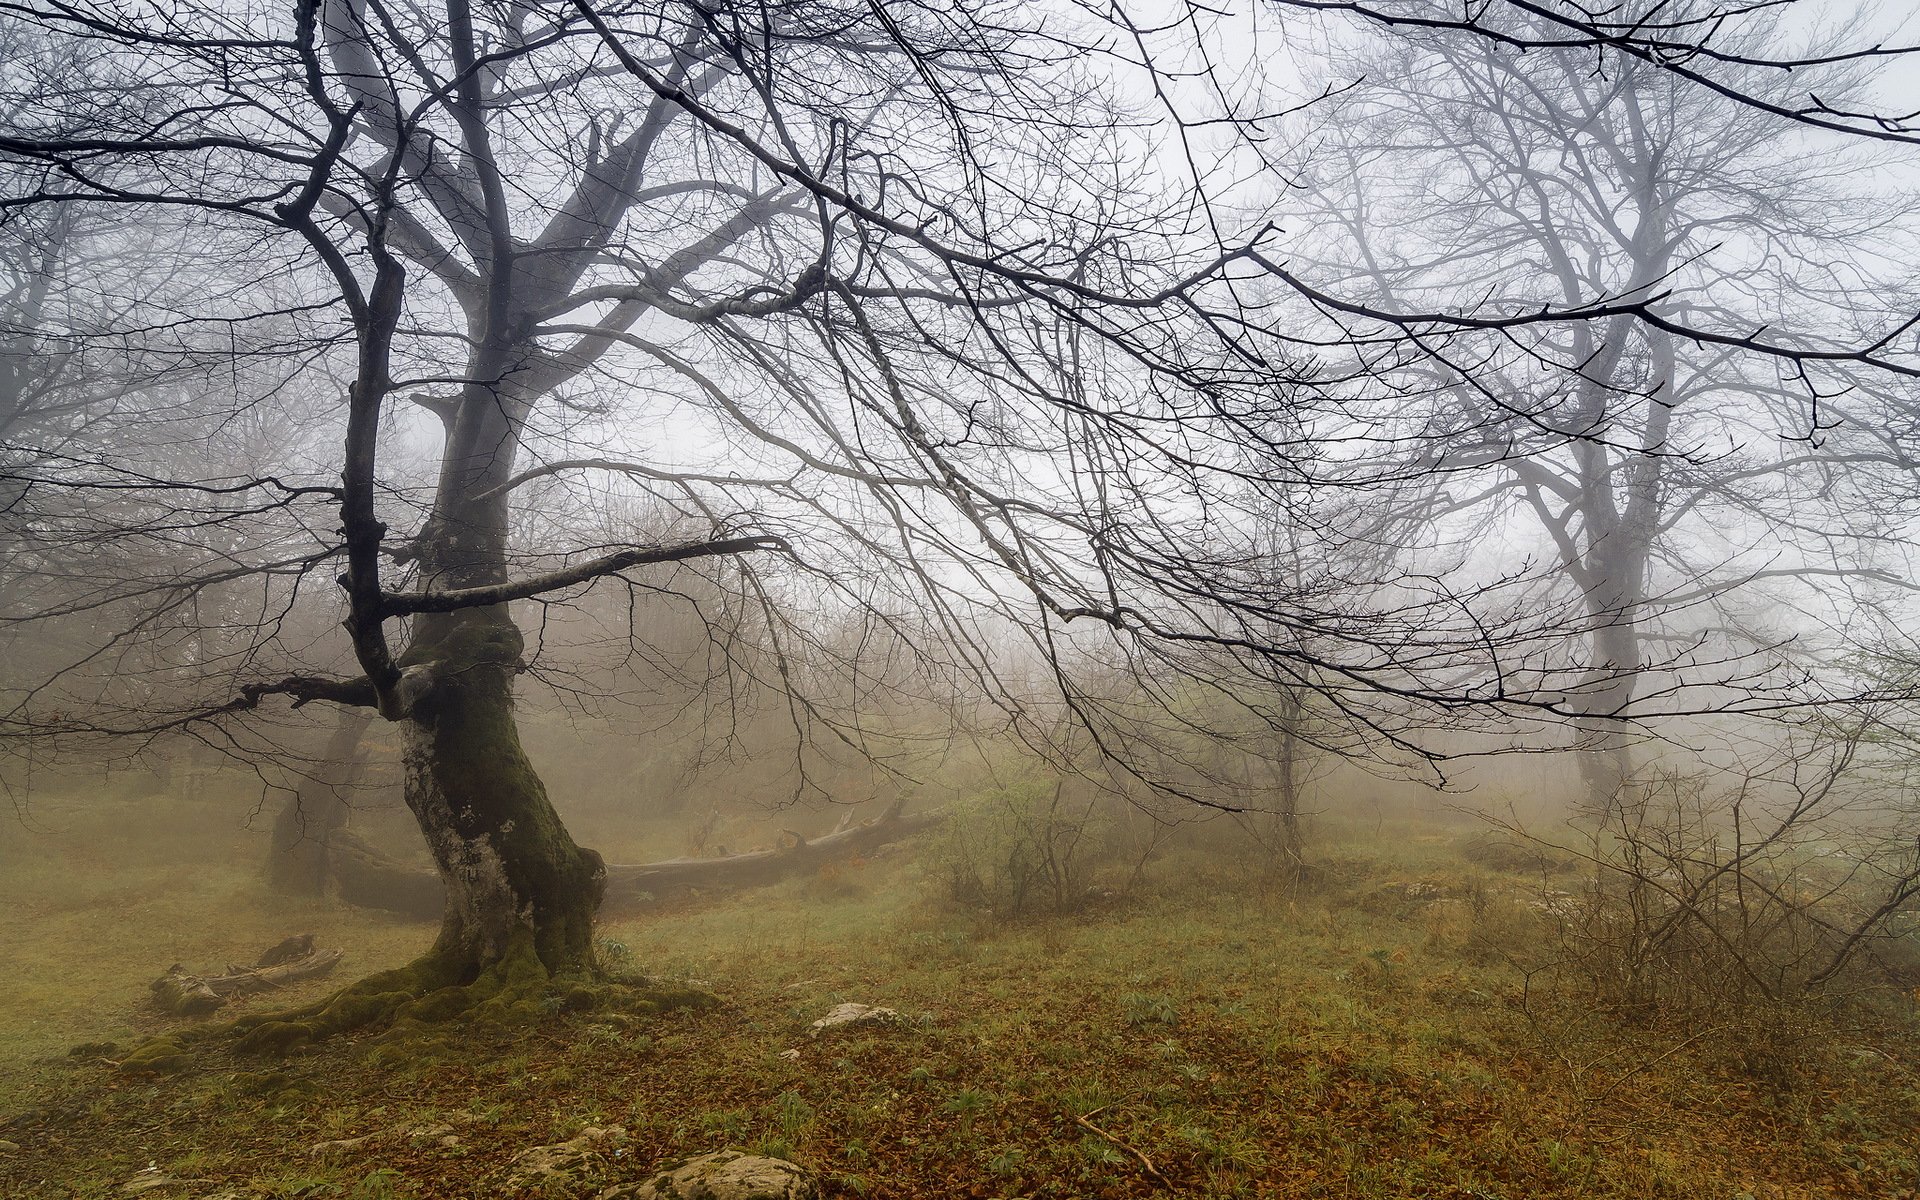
x=967, y=1103
x=380, y=1184
x=728, y=1124
x=774, y=1147
x=1097, y=1152
x=488, y=1114
x=1148, y=1008
x=1084, y=1098
x=1223, y=1152
x=792, y=1114
x=1007, y=1162
x=1565, y=1162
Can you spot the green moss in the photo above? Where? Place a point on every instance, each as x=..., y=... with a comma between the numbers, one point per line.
x=161, y=1055
x=415, y=1046
x=581, y=998
x=469, y=642
x=276, y=1038
x=442, y=1004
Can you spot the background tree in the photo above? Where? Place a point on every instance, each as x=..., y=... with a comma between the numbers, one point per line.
x=1669, y=479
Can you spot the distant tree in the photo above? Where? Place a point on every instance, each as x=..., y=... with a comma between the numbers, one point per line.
x=1674, y=481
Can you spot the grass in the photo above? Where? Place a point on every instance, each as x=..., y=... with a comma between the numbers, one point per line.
x=1369, y=1038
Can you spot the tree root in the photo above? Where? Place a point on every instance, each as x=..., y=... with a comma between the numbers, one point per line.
x=436, y=989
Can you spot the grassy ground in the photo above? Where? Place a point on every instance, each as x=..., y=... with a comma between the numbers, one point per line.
x=1370, y=1037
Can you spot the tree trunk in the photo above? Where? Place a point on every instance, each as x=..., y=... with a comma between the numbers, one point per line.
x=297, y=860
x=512, y=871
x=1287, y=812
x=1606, y=762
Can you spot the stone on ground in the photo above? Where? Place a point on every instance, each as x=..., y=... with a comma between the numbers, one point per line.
x=855, y=1016
x=727, y=1175
x=535, y=1167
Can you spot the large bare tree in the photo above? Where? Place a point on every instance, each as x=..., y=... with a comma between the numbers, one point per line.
x=1679, y=487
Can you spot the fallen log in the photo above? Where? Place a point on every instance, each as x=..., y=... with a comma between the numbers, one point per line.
x=185, y=994
x=756, y=868
x=367, y=878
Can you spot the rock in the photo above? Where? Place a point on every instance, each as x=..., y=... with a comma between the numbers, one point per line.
x=855, y=1016
x=146, y=1181
x=340, y=1144
x=727, y=1175
x=564, y=1160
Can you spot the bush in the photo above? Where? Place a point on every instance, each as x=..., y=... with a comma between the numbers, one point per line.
x=1025, y=849
x=1703, y=908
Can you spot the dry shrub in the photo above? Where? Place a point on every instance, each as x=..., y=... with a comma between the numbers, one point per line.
x=1734, y=913
x=1449, y=925
x=1483, y=925
x=1035, y=847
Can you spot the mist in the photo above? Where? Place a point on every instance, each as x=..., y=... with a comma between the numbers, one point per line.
x=915, y=598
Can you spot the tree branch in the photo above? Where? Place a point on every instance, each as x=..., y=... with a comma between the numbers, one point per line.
x=455, y=599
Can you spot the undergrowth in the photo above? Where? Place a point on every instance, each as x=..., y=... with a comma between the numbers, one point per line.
x=1380, y=1033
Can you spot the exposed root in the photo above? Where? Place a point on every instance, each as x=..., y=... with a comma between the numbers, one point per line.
x=517, y=989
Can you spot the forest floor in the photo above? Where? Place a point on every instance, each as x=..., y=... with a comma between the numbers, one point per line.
x=1371, y=1036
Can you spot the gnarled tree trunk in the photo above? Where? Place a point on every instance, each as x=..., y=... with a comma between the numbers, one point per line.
x=511, y=869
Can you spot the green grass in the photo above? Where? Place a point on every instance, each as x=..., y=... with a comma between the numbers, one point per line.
x=1364, y=1038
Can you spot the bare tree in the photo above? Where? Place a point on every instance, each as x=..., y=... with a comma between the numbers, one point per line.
x=1669, y=479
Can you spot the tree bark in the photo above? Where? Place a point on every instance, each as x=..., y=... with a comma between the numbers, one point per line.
x=510, y=868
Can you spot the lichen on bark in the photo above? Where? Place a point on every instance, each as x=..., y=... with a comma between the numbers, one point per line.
x=508, y=860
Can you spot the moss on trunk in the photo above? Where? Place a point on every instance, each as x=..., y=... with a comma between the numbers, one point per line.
x=516, y=940
x=510, y=865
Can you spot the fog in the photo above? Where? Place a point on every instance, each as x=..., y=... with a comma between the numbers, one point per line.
x=922, y=598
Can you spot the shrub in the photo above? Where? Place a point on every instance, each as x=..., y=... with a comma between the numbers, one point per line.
x=1731, y=911
x=1025, y=849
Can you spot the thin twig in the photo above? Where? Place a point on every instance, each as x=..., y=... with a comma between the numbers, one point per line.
x=1652, y=1062
x=1145, y=1162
